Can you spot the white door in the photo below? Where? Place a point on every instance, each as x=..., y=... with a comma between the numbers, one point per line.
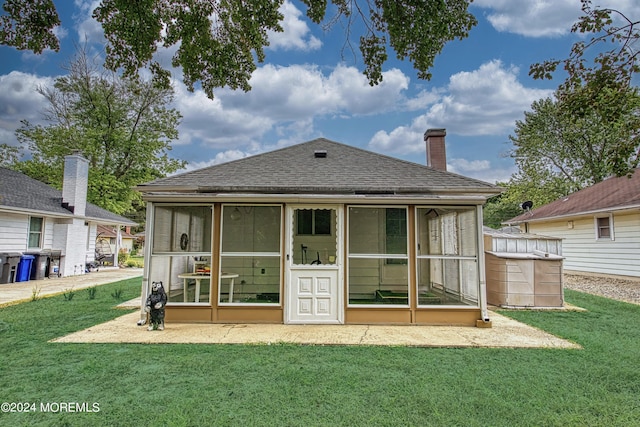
x=314, y=285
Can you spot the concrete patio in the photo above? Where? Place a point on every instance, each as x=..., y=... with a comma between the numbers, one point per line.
x=505, y=332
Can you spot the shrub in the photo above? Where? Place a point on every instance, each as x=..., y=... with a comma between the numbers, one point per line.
x=123, y=256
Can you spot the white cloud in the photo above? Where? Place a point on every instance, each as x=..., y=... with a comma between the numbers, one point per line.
x=486, y=101
x=19, y=100
x=221, y=157
x=296, y=31
x=543, y=18
x=89, y=30
x=480, y=169
x=285, y=100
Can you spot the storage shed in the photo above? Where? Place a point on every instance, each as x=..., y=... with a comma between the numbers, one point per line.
x=523, y=270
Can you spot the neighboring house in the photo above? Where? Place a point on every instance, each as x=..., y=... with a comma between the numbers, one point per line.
x=36, y=217
x=320, y=232
x=599, y=225
x=107, y=239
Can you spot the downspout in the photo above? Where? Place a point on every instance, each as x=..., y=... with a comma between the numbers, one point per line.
x=148, y=243
x=485, y=322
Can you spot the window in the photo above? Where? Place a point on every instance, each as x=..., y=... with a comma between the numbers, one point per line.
x=35, y=232
x=396, y=233
x=378, y=256
x=250, y=255
x=314, y=240
x=182, y=229
x=604, y=228
x=313, y=222
x=447, y=256
x=181, y=251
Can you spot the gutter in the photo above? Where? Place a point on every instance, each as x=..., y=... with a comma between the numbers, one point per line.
x=324, y=198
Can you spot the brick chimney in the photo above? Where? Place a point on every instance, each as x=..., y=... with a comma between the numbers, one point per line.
x=436, y=151
x=74, y=184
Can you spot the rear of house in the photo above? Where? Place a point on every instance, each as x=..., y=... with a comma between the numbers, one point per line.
x=319, y=232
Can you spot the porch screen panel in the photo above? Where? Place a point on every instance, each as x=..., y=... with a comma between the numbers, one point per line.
x=447, y=251
x=181, y=251
x=378, y=256
x=250, y=256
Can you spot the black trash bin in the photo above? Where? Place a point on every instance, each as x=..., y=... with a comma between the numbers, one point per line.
x=10, y=262
x=40, y=267
x=24, y=268
x=54, y=263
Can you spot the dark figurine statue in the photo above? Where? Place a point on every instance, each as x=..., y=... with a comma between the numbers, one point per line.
x=155, y=306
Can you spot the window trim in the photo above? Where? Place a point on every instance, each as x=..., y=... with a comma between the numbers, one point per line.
x=177, y=253
x=610, y=227
x=222, y=254
x=444, y=257
x=381, y=257
x=40, y=233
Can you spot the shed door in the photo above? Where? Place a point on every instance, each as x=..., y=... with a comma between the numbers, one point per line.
x=314, y=291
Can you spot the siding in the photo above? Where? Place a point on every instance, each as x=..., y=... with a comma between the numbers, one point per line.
x=13, y=229
x=583, y=252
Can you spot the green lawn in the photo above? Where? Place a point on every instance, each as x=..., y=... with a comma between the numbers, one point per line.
x=292, y=385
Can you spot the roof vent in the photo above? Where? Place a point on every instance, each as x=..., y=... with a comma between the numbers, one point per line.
x=320, y=154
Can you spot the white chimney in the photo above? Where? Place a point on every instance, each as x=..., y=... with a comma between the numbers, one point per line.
x=436, y=151
x=74, y=184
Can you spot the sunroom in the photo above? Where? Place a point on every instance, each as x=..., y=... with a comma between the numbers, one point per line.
x=232, y=244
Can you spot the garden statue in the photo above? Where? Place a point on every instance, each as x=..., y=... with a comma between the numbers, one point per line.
x=155, y=306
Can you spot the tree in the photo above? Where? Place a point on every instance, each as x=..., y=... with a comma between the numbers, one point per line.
x=556, y=141
x=622, y=61
x=219, y=42
x=8, y=155
x=559, y=149
x=122, y=126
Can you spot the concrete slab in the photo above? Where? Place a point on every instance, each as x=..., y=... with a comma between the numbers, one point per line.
x=505, y=333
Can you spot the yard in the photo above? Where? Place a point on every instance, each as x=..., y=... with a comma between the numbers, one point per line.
x=291, y=385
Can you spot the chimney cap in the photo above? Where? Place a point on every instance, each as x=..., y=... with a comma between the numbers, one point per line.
x=435, y=132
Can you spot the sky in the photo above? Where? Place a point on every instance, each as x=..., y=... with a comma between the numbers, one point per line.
x=308, y=88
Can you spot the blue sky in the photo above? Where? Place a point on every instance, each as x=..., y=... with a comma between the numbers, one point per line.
x=307, y=88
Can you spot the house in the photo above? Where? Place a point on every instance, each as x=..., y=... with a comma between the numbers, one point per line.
x=320, y=232
x=599, y=225
x=35, y=217
x=107, y=239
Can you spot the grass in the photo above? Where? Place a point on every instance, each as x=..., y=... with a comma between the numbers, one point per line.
x=294, y=385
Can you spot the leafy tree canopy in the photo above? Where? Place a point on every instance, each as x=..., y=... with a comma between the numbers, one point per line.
x=592, y=60
x=559, y=149
x=219, y=42
x=122, y=126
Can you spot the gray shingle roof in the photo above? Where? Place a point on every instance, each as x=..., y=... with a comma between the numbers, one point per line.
x=19, y=191
x=613, y=193
x=344, y=170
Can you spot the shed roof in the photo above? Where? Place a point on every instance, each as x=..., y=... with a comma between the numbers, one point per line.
x=321, y=166
x=615, y=193
x=21, y=192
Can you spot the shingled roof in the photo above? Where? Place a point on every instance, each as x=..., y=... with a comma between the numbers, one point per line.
x=23, y=193
x=320, y=166
x=615, y=193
